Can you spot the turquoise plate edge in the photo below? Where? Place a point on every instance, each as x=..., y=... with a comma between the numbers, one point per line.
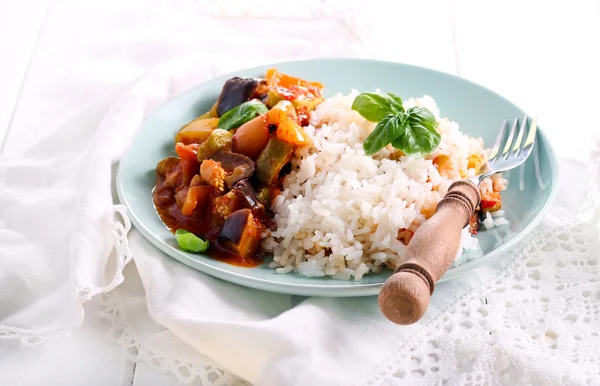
x=332, y=288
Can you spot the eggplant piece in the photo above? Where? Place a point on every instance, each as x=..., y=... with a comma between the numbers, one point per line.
x=238, y=174
x=237, y=91
x=272, y=159
x=247, y=193
x=240, y=233
x=237, y=166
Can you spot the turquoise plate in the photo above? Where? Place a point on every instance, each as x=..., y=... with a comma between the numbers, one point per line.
x=478, y=111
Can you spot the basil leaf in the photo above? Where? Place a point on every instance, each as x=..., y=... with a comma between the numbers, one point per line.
x=236, y=117
x=389, y=128
x=398, y=101
x=423, y=115
x=374, y=106
x=190, y=242
x=419, y=137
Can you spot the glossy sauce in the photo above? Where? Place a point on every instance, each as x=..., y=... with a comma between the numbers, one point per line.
x=200, y=223
x=218, y=252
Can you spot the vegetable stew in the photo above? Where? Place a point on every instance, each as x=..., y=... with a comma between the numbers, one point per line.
x=230, y=163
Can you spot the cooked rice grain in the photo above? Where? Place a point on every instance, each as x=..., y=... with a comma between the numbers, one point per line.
x=340, y=211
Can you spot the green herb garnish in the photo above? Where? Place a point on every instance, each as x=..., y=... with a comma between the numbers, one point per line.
x=413, y=131
x=374, y=107
x=190, y=242
x=236, y=117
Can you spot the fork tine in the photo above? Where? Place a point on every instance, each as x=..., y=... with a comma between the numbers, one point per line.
x=509, y=142
x=518, y=144
x=499, y=138
x=530, y=139
x=515, y=150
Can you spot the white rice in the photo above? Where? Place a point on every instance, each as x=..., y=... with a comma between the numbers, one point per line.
x=488, y=222
x=340, y=211
x=499, y=221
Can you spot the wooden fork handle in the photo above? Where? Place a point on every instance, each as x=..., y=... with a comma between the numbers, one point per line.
x=405, y=295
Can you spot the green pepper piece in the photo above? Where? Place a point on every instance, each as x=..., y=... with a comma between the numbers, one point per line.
x=264, y=196
x=270, y=161
x=219, y=139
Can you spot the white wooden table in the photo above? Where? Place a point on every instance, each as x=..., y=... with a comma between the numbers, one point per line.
x=544, y=55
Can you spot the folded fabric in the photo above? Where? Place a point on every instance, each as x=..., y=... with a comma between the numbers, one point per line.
x=57, y=221
x=62, y=241
x=272, y=339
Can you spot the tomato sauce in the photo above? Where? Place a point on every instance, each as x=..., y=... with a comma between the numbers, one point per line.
x=223, y=201
x=218, y=252
x=199, y=223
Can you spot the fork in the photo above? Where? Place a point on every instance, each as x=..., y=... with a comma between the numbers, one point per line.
x=405, y=295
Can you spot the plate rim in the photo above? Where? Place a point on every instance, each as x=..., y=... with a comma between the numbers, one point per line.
x=343, y=289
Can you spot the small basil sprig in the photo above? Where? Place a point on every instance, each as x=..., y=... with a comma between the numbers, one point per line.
x=236, y=117
x=413, y=131
x=419, y=137
x=388, y=129
x=190, y=242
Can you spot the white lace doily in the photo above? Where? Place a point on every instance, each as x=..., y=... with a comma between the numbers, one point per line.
x=147, y=346
x=537, y=323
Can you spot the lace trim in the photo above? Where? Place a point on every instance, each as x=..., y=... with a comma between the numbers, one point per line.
x=119, y=225
x=460, y=345
x=27, y=337
x=187, y=370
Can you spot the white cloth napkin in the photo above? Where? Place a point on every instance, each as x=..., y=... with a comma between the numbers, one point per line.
x=57, y=226
x=196, y=326
x=62, y=241
x=272, y=339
